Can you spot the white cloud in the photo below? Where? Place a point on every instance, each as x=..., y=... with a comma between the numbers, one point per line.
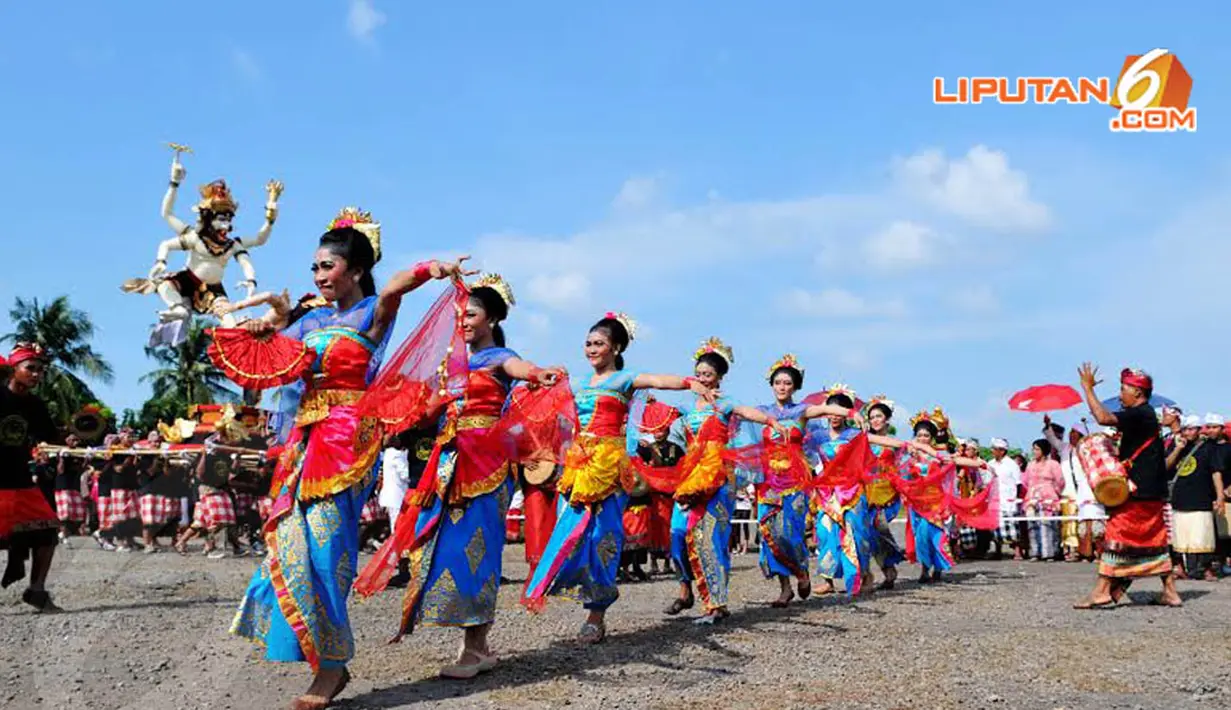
x=569, y=291
x=246, y=66
x=536, y=322
x=840, y=303
x=648, y=248
x=637, y=193
x=975, y=299
x=980, y=188
x=855, y=359
x=902, y=245
x=363, y=19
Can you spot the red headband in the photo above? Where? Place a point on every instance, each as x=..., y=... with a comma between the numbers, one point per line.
x=658, y=417
x=25, y=351
x=1136, y=378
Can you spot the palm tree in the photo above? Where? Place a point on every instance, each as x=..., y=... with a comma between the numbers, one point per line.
x=186, y=376
x=64, y=333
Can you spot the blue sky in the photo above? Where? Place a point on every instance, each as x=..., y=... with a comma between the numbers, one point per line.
x=773, y=174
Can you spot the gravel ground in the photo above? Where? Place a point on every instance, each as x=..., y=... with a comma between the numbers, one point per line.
x=149, y=631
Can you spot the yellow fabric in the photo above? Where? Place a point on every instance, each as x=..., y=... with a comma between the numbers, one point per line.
x=316, y=404
x=708, y=475
x=594, y=468
x=880, y=493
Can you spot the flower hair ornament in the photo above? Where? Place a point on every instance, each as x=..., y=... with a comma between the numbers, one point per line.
x=843, y=389
x=362, y=222
x=787, y=360
x=630, y=325
x=719, y=348
x=496, y=283
x=881, y=401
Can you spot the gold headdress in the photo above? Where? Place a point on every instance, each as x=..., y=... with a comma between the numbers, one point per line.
x=719, y=348
x=216, y=197
x=496, y=283
x=787, y=360
x=362, y=221
x=880, y=400
x=630, y=325
x=936, y=418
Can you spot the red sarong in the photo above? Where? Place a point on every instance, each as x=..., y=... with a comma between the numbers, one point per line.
x=661, y=506
x=636, y=527
x=540, y=511
x=25, y=510
x=1135, y=541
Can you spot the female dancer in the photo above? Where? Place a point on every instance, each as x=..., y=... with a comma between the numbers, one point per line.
x=926, y=537
x=782, y=498
x=295, y=605
x=584, y=550
x=705, y=498
x=883, y=501
x=843, y=525
x=452, y=530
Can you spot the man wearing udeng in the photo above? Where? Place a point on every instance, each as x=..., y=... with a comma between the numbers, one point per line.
x=1135, y=544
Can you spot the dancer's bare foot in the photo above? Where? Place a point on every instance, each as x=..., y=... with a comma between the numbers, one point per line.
x=804, y=586
x=326, y=686
x=784, y=599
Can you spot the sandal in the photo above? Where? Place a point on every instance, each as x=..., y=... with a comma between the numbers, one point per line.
x=592, y=633
x=679, y=605
x=713, y=617
x=804, y=587
x=309, y=702
x=466, y=671
x=1088, y=604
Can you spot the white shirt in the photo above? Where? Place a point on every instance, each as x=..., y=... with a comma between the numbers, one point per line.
x=395, y=478
x=1077, y=488
x=1008, y=478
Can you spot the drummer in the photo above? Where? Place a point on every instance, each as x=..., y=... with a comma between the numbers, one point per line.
x=1135, y=542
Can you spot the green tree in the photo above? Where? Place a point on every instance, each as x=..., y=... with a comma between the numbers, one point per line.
x=64, y=333
x=185, y=376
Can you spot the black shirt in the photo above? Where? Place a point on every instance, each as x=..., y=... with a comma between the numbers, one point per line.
x=104, y=480
x=24, y=422
x=172, y=481
x=1140, y=436
x=124, y=475
x=70, y=478
x=1194, y=478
